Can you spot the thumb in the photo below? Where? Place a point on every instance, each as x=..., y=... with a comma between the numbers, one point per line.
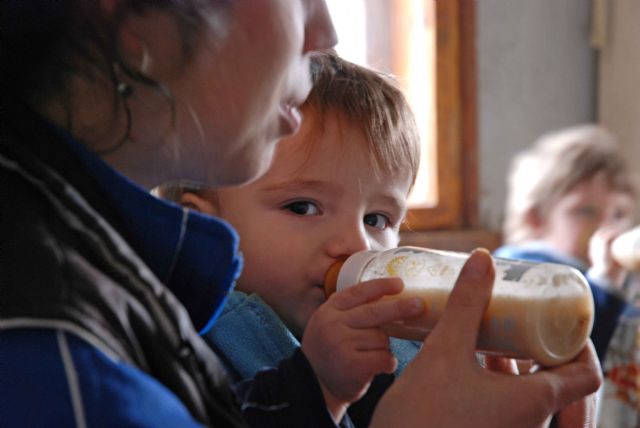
x=460, y=322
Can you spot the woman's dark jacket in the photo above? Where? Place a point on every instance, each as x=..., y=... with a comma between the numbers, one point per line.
x=89, y=336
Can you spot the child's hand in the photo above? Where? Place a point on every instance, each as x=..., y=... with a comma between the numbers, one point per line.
x=603, y=265
x=345, y=344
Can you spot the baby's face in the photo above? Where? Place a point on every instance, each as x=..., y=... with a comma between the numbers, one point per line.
x=621, y=209
x=589, y=206
x=309, y=210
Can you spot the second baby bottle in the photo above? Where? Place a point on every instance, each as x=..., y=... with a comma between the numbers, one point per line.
x=539, y=311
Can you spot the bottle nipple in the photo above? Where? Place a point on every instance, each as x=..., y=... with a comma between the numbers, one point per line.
x=331, y=278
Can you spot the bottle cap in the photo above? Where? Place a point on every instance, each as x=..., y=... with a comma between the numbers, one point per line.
x=345, y=273
x=562, y=326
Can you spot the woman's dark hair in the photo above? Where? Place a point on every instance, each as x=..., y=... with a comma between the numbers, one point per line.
x=43, y=42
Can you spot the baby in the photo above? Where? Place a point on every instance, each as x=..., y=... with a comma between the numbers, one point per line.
x=338, y=186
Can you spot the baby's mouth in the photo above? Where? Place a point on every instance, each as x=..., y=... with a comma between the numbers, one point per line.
x=321, y=287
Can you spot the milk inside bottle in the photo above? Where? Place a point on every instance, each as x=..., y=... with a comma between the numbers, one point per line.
x=539, y=311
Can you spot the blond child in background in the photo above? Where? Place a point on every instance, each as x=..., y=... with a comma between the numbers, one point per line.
x=338, y=186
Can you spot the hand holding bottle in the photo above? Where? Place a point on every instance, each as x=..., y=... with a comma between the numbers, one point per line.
x=580, y=413
x=605, y=268
x=445, y=387
x=626, y=249
x=344, y=341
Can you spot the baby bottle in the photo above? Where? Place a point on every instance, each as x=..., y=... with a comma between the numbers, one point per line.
x=626, y=249
x=538, y=311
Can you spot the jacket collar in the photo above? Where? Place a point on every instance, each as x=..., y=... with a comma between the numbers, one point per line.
x=194, y=255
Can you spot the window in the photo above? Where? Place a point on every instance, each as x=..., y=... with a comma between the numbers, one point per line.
x=426, y=44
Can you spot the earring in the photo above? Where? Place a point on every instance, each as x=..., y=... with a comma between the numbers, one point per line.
x=145, y=63
x=124, y=91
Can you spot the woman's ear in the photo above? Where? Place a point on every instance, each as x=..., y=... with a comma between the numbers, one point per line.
x=133, y=48
x=199, y=203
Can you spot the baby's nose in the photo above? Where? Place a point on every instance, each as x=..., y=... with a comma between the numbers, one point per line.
x=347, y=240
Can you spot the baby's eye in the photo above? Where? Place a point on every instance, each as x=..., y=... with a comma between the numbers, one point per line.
x=303, y=208
x=620, y=214
x=379, y=221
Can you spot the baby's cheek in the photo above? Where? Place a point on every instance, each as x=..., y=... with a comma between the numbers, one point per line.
x=309, y=309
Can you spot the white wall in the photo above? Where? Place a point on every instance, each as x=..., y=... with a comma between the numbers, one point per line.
x=536, y=73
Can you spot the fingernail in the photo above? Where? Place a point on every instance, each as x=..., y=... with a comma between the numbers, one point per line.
x=478, y=264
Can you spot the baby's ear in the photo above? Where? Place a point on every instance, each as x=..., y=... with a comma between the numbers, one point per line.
x=198, y=203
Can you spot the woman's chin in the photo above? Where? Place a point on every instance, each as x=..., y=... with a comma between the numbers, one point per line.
x=251, y=171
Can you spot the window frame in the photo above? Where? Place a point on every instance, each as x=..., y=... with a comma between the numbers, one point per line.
x=455, y=98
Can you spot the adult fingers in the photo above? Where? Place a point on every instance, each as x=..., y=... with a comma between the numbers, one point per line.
x=581, y=413
x=500, y=364
x=509, y=365
x=567, y=383
x=458, y=327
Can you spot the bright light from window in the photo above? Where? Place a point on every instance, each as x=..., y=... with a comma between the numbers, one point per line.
x=349, y=19
x=420, y=90
x=413, y=63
